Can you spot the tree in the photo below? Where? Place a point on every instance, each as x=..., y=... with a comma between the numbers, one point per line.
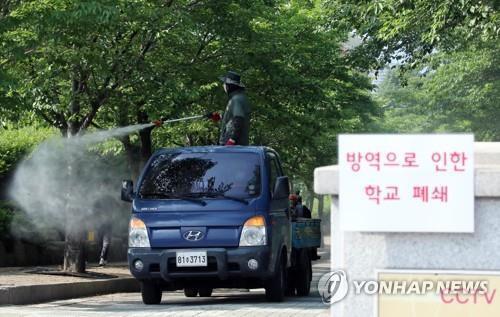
x=301, y=88
x=298, y=80
x=457, y=92
x=446, y=56
x=410, y=31
x=102, y=64
x=72, y=57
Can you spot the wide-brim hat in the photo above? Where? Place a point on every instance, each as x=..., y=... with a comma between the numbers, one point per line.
x=232, y=78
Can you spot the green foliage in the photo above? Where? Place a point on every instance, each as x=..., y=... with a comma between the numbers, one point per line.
x=15, y=223
x=6, y=216
x=447, y=55
x=15, y=144
x=113, y=63
x=457, y=92
x=410, y=31
x=300, y=87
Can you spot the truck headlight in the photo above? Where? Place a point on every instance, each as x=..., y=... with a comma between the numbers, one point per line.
x=254, y=232
x=138, y=234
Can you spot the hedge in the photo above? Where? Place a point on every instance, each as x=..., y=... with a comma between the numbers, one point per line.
x=15, y=144
x=6, y=215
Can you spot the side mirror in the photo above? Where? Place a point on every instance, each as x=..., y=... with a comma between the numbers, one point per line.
x=127, y=190
x=281, y=188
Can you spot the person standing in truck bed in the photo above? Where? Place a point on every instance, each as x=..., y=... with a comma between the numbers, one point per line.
x=236, y=120
x=300, y=210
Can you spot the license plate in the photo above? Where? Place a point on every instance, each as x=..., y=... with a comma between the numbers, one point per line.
x=192, y=258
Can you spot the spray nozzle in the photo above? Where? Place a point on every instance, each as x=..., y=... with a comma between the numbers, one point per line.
x=157, y=123
x=214, y=116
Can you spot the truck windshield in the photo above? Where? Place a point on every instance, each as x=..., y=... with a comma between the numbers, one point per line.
x=175, y=175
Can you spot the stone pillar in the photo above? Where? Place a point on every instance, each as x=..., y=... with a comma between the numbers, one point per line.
x=361, y=254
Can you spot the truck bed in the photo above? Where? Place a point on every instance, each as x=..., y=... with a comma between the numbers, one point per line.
x=306, y=233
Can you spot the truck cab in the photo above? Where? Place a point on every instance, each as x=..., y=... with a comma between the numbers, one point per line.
x=212, y=217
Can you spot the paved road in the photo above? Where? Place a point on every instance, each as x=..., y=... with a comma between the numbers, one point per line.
x=222, y=303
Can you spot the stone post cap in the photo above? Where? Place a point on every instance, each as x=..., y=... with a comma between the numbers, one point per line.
x=486, y=173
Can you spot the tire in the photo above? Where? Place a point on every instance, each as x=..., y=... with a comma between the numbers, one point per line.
x=276, y=286
x=290, y=283
x=206, y=292
x=151, y=293
x=304, y=273
x=191, y=292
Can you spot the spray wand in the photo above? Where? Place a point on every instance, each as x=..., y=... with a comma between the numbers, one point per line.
x=214, y=116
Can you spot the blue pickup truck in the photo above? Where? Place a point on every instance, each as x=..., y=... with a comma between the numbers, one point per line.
x=217, y=217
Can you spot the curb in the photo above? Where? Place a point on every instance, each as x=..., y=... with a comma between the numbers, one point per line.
x=31, y=294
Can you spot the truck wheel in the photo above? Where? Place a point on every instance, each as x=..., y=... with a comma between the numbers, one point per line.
x=151, y=293
x=275, y=289
x=304, y=273
x=190, y=292
x=206, y=292
x=290, y=283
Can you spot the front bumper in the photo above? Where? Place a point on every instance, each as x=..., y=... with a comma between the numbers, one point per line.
x=223, y=263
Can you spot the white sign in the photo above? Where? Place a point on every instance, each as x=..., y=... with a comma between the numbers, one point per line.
x=406, y=183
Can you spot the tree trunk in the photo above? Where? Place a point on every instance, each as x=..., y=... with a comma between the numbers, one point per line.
x=137, y=156
x=132, y=153
x=146, y=145
x=310, y=201
x=145, y=135
x=74, y=248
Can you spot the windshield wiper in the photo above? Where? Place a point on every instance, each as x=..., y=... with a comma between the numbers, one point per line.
x=218, y=194
x=173, y=196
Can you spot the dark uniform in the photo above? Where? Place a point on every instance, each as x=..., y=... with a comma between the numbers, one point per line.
x=236, y=119
x=235, y=124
